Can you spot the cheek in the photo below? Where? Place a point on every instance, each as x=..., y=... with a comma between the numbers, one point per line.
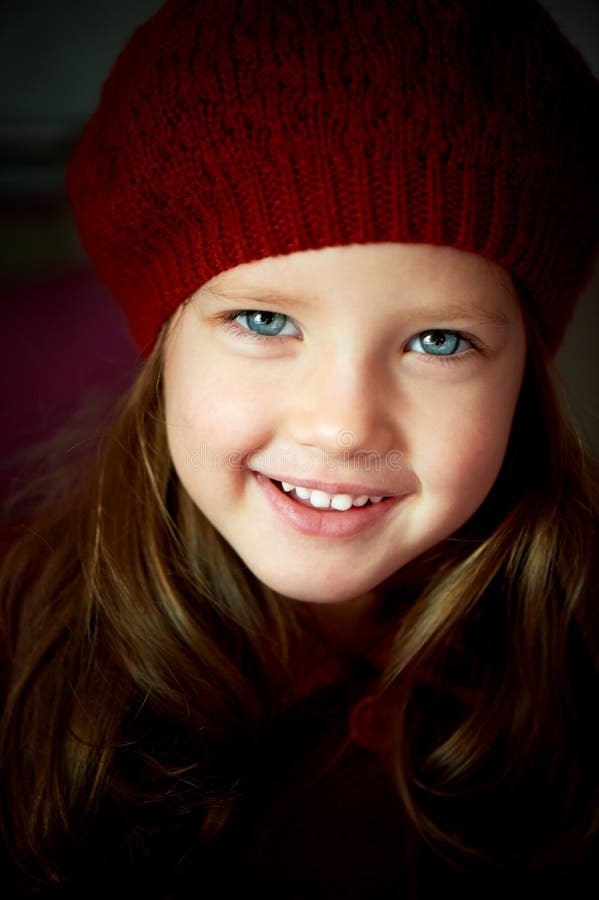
x=473, y=465
x=219, y=418
x=459, y=460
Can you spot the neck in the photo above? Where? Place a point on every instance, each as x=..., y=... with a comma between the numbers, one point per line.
x=349, y=628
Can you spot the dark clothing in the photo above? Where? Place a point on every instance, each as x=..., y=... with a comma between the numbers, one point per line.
x=303, y=832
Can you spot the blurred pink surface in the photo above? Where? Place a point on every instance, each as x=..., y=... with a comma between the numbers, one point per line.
x=64, y=342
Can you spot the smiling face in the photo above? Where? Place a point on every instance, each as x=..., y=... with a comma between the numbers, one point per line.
x=379, y=370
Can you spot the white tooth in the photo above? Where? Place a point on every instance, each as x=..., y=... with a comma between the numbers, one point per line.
x=286, y=487
x=341, y=501
x=360, y=501
x=303, y=493
x=320, y=499
x=375, y=499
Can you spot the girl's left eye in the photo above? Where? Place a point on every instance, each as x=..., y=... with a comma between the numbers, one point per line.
x=261, y=323
x=442, y=343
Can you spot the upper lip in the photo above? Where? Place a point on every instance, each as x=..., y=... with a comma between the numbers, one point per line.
x=335, y=487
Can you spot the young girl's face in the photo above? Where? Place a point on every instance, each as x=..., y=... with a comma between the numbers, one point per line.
x=380, y=370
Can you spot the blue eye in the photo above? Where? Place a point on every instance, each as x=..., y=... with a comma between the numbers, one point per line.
x=438, y=342
x=259, y=323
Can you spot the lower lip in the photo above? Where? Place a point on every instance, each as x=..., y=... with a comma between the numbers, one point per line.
x=325, y=523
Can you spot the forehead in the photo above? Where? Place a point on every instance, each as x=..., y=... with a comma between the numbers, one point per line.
x=404, y=275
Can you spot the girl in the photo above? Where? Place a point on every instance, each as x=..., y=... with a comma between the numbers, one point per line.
x=317, y=618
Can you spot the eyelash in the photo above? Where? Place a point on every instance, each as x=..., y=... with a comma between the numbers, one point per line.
x=240, y=331
x=229, y=323
x=476, y=348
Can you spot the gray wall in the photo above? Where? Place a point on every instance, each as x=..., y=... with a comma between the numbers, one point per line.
x=578, y=359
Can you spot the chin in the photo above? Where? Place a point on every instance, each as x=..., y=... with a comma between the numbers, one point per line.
x=319, y=591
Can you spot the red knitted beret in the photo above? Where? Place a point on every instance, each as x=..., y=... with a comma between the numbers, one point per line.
x=232, y=130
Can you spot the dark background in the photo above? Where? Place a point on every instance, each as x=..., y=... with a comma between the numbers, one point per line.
x=65, y=347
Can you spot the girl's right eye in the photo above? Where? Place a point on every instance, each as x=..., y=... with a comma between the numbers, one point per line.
x=261, y=323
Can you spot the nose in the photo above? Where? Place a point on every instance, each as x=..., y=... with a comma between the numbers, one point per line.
x=342, y=406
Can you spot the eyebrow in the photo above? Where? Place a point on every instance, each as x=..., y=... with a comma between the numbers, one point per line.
x=255, y=294
x=451, y=312
x=454, y=311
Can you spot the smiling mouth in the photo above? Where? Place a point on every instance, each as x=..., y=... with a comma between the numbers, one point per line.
x=321, y=500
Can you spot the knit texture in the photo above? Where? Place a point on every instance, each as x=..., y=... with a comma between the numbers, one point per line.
x=233, y=130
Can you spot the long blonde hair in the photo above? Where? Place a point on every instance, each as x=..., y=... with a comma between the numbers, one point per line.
x=121, y=604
